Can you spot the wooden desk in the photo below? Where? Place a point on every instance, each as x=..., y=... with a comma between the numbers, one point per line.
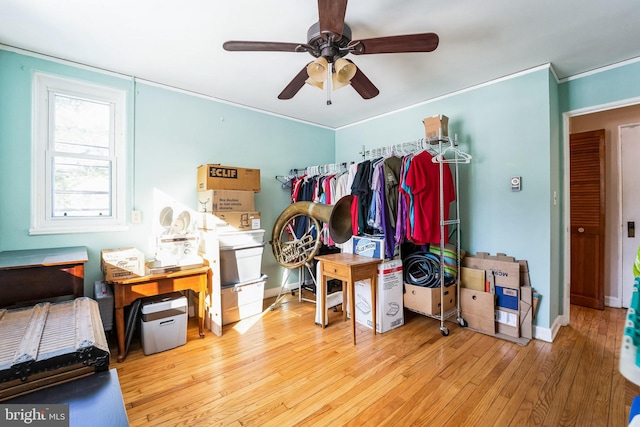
x=127, y=291
x=94, y=400
x=349, y=269
x=32, y=275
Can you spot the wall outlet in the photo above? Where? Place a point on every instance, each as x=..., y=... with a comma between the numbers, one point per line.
x=136, y=217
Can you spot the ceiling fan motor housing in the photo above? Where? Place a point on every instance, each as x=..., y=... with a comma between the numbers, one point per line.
x=326, y=45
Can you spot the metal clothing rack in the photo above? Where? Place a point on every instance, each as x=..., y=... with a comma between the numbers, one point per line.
x=444, y=151
x=311, y=171
x=445, y=145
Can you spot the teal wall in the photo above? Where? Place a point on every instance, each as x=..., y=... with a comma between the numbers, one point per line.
x=170, y=133
x=506, y=127
x=511, y=127
x=608, y=86
x=556, y=247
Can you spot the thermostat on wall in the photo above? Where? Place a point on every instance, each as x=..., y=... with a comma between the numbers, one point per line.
x=516, y=183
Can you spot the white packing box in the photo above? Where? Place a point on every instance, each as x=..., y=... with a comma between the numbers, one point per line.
x=240, y=263
x=163, y=323
x=122, y=263
x=389, y=307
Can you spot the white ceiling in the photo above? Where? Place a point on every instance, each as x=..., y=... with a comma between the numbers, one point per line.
x=179, y=44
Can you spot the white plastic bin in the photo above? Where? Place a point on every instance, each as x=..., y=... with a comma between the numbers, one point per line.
x=240, y=264
x=163, y=324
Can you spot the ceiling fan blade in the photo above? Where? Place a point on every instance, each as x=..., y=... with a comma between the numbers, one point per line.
x=331, y=16
x=363, y=85
x=426, y=42
x=294, y=85
x=237, y=45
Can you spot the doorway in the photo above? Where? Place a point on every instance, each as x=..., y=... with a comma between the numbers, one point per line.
x=630, y=209
x=610, y=117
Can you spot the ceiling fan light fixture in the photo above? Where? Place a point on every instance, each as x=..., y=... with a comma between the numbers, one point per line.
x=317, y=70
x=337, y=83
x=312, y=82
x=345, y=70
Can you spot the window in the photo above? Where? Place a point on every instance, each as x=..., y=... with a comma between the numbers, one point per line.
x=78, y=157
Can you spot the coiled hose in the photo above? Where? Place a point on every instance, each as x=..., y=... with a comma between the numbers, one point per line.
x=423, y=269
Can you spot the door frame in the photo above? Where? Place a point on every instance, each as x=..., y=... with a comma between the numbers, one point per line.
x=566, y=116
x=621, y=228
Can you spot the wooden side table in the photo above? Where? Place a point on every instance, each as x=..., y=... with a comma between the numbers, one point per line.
x=127, y=291
x=349, y=269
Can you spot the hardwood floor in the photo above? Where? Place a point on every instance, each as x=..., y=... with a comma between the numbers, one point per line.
x=280, y=369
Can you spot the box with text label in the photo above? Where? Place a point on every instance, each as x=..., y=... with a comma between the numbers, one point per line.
x=219, y=177
x=389, y=307
x=122, y=263
x=226, y=201
x=228, y=221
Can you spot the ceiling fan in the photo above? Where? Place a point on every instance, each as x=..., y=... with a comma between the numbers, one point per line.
x=329, y=40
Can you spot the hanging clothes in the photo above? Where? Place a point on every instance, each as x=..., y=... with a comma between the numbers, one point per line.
x=392, y=166
x=423, y=179
x=362, y=189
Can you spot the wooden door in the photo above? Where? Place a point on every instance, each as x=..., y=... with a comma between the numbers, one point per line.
x=587, y=199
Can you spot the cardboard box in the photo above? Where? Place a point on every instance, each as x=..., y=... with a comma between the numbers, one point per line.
x=526, y=312
x=368, y=246
x=229, y=221
x=510, y=300
x=218, y=177
x=472, y=278
x=436, y=126
x=242, y=301
x=226, y=201
x=508, y=322
x=505, y=273
x=427, y=301
x=478, y=310
x=389, y=306
x=507, y=298
x=122, y=263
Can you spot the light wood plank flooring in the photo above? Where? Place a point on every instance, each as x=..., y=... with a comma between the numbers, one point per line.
x=280, y=369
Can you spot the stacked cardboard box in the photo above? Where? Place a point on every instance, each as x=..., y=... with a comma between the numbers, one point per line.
x=231, y=241
x=496, y=296
x=226, y=198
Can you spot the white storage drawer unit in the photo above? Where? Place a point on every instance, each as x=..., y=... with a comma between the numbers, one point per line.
x=163, y=325
x=242, y=300
x=239, y=264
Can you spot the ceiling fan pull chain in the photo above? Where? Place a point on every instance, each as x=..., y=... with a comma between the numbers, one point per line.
x=329, y=82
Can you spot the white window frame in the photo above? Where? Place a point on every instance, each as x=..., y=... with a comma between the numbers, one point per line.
x=42, y=221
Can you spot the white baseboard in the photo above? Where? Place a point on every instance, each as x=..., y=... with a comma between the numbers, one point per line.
x=273, y=292
x=549, y=334
x=613, y=302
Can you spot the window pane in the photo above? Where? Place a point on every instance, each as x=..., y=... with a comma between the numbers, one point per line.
x=81, y=127
x=82, y=187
